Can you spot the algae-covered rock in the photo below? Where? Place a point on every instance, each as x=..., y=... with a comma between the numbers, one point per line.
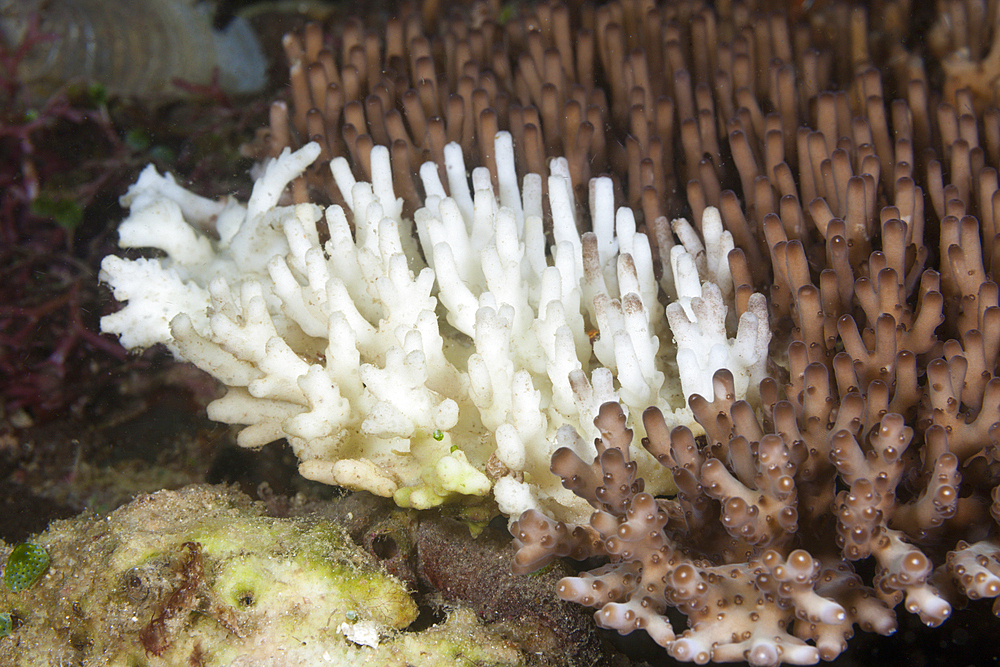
x=200, y=576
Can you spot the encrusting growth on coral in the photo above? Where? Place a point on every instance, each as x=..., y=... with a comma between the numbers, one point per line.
x=813, y=347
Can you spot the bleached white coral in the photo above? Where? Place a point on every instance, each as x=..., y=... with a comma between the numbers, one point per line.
x=409, y=358
x=698, y=316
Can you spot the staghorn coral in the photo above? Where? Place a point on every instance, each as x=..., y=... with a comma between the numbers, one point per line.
x=339, y=348
x=965, y=38
x=634, y=89
x=757, y=579
x=870, y=212
x=858, y=201
x=566, y=81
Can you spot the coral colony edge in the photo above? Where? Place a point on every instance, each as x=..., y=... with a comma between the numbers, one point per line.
x=778, y=467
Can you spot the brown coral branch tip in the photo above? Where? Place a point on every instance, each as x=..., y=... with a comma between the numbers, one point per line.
x=862, y=201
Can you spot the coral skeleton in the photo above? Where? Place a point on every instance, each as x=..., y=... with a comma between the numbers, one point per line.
x=437, y=357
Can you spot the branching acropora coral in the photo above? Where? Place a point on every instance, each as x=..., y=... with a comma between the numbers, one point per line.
x=876, y=435
x=339, y=347
x=848, y=210
x=741, y=550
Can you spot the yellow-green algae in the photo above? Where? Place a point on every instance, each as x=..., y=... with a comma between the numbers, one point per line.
x=200, y=576
x=26, y=564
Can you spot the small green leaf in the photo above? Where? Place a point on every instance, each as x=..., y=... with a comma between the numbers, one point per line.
x=25, y=566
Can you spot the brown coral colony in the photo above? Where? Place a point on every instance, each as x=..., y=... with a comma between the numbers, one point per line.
x=862, y=198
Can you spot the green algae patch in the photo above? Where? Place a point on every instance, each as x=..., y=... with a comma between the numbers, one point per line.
x=26, y=564
x=201, y=576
